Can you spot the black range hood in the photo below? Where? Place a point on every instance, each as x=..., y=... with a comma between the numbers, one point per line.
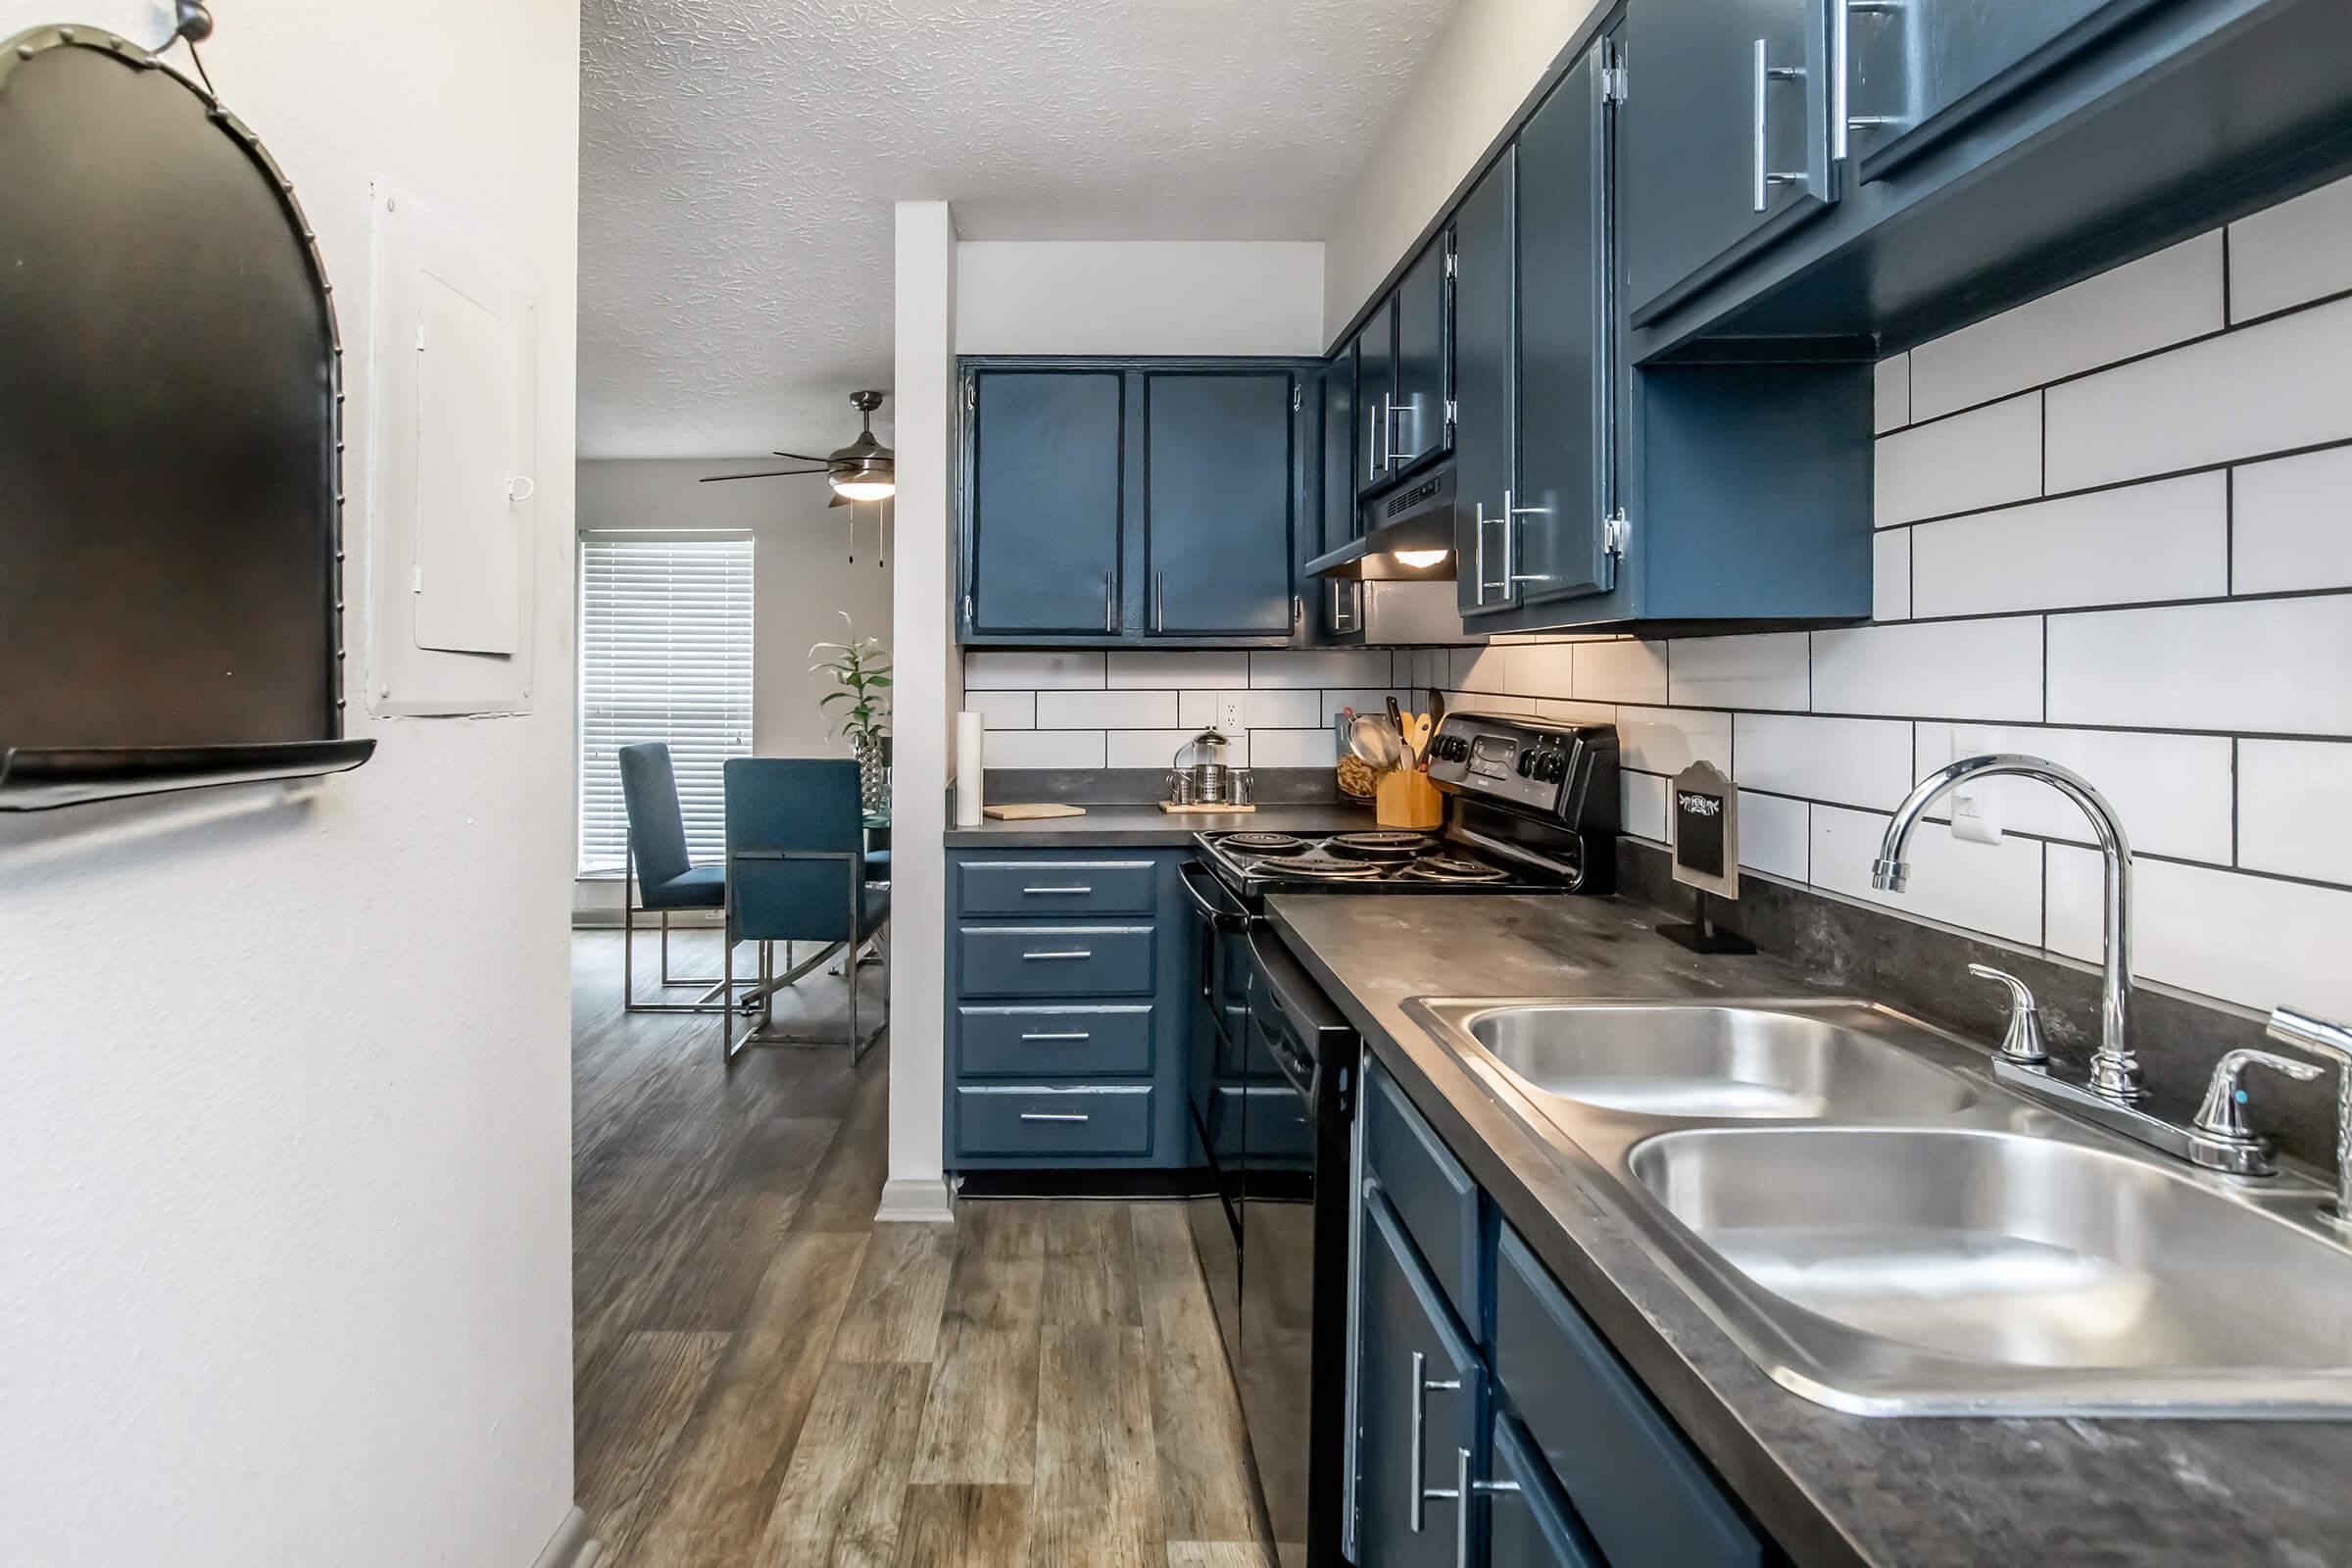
x=1416, y=517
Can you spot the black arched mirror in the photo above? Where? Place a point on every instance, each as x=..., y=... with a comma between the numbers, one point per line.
x=171, y=454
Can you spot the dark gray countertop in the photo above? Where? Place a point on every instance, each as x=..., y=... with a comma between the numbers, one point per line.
x=1832, y=1488
x=1149, y=827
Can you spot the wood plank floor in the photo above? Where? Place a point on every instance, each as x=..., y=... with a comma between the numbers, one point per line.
x=766, y=1379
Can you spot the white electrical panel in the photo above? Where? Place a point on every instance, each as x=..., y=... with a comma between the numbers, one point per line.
x=454, y=434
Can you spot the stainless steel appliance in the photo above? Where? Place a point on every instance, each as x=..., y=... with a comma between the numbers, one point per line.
x=1533, y=808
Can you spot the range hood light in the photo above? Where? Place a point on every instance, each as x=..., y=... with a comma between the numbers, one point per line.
x=1419, y=559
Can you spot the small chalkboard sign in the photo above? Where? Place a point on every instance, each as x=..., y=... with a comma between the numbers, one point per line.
x=1703, y=810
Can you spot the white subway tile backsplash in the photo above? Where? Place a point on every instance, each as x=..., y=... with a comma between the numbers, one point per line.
x=1993, y=888
x=2172, y=790
x=1107, y=710
x=2296, y=251
x=1770, y=670
x=1891, y=575
x=2147, y=542
x=1645, y=804
x=1667, y=740
x=2266, y=666
x=1546, y=670
x=1775, y=835
x=2293, y=522
x=1945, y=669
x=2271, y=387
x=1854, y=761
x=1205, y=709
x=1331, y=666
x=1365, y=700
x=1568, y=713
x=1890, y=394
x=1294, y=748
x=1014, y=672
x=2142, y=305
x=2292, y=800
x=1971, y=460
x=1283, y=709
x=1003, y=709
x=2252, y=940
x=1174, y=667
x=1624, y=672
x=1043, y=747
x=1485, y=668
x=1158, y=748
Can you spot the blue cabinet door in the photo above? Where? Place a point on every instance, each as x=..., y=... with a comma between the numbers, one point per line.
x=1421, y=427
x=1339, y=603
x=1046, y=501
x=1559, y=546
x=1725, y=138
x=1529, y=1524
x=1375, y=353
x=1486, y=444
x=1217, y=485
x=1419, y=1391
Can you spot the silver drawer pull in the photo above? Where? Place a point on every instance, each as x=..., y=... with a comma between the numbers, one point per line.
x=1052, y=1115
x=1057, y=890
x=1074, y=953
x=1080, y=1034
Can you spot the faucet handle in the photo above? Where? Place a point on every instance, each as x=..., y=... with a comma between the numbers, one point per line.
x=2023, y=1044
x=2325, y=1038
x=2222, y=1119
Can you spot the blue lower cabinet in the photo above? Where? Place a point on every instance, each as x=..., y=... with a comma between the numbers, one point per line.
x=1419, y=1391
x=1434, y=1197
x=1074, y=993
x=1528, y=1523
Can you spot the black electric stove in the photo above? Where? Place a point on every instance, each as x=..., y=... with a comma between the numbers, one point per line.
x=1532, y=807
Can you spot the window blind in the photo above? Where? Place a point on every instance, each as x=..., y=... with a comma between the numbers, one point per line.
x=666, y=654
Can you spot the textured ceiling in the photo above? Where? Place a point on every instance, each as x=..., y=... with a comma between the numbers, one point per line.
x=739, y=158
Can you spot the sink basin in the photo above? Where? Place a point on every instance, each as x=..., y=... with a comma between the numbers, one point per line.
x=1970, y=1268
x=1732, y=1061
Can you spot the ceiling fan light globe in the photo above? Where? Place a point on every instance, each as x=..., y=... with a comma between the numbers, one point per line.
x=863, y=486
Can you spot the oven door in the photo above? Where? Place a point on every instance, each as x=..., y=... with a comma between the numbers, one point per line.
x=1294, y=1250
x=1215, y=1042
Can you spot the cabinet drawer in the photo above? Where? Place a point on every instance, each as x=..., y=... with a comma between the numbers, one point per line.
x=1647, y=1498
x=1053, y=1041
x=1056, y=960
x=1053, y=1122
x=1057, y=887
x=1426, y=1187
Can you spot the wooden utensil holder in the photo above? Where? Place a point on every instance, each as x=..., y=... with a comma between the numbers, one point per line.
x=1407, y=799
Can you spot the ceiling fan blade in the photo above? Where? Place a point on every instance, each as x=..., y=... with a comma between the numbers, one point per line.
x=839, y=500
x=773, y=473
x=803, y=457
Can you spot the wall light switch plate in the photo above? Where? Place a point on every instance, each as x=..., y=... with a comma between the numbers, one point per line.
x=1976, y=806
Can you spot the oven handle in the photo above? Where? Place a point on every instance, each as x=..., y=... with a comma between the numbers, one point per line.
x=1218, y=916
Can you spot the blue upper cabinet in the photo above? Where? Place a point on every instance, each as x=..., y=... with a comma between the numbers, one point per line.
x=1421, y=421
x=1046, y=503
x=1218, y=492
x=1374, y=350
x=1727, y=141
x=1338, y=605
x=1485, y=343
x=1137, y=501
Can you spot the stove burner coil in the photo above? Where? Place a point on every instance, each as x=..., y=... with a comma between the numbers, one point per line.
x=1386, y=844
x=1444, y=868
x=1264, y=843
x=1323, y=869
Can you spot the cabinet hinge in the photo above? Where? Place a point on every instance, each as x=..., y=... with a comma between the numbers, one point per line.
x=1450, y=411
x=1453, y=263
x=1613, y=85
x=1297, y=399
x=967, y=610
x=972, y=396
x=1297, y=608
x=1613, y=531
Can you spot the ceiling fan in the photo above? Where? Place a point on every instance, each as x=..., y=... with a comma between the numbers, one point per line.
x=862, y=470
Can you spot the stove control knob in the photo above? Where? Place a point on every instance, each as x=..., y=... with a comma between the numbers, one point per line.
x=1527, y=764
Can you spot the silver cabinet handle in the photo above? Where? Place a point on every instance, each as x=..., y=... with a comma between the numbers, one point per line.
x=1479, y=552
x=1052, y=1115
x=1111, y=603
x=1417, y=1448
x=1372, y=460
x=1510, y=540
x=1843, y=121
x=1079, y=1034
x=1073, y=890
x=1466, y=1489
x=1074, y=953
x=1159, y=606
x=1766, y=74
x=1389, y=433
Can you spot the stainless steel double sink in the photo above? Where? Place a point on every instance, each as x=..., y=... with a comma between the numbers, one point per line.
x=1887, y=1230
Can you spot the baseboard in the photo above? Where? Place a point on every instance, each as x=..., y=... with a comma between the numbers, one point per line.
x=571, y=1545
x=916, y=1200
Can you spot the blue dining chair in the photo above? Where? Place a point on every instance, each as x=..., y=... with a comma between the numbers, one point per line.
x=658, y=875
x=797, y=871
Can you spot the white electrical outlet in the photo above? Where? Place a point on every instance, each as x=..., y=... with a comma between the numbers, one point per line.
x=1977, y=804
x=1229, y=712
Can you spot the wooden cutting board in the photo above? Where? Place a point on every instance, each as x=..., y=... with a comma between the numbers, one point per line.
x=1028, y=814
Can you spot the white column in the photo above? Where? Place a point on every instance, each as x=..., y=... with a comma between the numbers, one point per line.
x=929, y=689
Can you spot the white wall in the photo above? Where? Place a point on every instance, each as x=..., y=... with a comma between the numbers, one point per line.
x=1465, y=92
x=802, y=578
x=1138, y=297
x=929, y=692
x=2142, y=569
x=284, y=1189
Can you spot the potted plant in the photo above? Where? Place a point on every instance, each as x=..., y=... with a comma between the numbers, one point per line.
x=860, y=670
